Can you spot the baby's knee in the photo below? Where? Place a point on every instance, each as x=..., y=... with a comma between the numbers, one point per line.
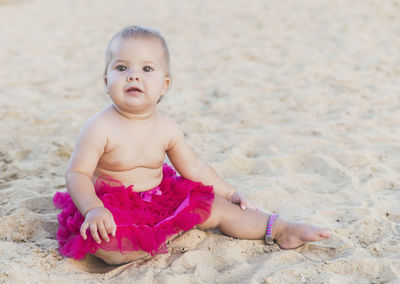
x=215, y=214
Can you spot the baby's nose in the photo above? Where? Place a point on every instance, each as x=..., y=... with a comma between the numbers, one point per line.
x=132, y=76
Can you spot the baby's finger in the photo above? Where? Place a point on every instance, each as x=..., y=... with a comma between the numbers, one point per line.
x=243, y=204
x=84, y=227
x=103, y=233
x=113, y=227
x=95, y=235
x=114, y=230
x=108, y=226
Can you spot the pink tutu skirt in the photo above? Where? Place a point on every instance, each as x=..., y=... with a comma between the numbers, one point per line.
x=144, y=219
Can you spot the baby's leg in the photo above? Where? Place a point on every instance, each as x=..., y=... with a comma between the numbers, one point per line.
x=251, y=224
x=116, y=257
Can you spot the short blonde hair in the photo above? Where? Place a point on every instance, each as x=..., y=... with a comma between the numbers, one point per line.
x=138, y=32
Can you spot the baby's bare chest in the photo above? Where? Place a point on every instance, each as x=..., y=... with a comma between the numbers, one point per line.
x=129, y=151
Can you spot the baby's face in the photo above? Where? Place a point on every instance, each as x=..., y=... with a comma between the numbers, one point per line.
x=136, y=76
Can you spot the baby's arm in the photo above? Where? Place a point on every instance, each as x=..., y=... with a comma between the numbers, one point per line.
x=186, y=162
x=87, y=152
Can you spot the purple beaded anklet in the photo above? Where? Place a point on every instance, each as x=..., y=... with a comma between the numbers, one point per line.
x=268, y=235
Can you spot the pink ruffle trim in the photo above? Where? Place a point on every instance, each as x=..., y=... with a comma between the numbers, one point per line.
x=144, y=219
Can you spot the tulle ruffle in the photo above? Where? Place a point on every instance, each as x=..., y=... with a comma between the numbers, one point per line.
x=144, y=219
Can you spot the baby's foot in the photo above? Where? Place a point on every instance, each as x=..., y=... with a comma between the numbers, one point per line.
x=289, y=235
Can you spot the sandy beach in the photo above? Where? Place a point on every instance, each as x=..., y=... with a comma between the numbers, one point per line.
x=296, y=103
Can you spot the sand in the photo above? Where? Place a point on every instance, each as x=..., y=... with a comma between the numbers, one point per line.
x=294, y=102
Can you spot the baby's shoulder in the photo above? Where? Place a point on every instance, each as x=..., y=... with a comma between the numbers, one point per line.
x=99, y=122
x=171, y=130
x=167, y=123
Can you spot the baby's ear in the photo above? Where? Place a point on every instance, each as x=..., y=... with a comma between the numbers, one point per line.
x=167, y=82
x=105, y=82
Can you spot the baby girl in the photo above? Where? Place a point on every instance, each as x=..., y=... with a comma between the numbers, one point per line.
x=123, y=201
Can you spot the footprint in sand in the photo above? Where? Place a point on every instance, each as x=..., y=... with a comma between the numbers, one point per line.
x=370, y=230
x=9, y=168
x=237, y=166
x=43, y=204
x=22, y=226
x=46, y=210
x=62, y=150
x=352, y=160
x=321, y=176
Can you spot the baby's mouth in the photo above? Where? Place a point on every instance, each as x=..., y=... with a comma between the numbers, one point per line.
x=133, y=90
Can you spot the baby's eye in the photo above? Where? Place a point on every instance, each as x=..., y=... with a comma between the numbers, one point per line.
x=120, y=68
x=147, y=69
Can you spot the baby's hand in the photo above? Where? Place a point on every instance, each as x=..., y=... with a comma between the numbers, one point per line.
x=99, y=220
x=238, y=199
